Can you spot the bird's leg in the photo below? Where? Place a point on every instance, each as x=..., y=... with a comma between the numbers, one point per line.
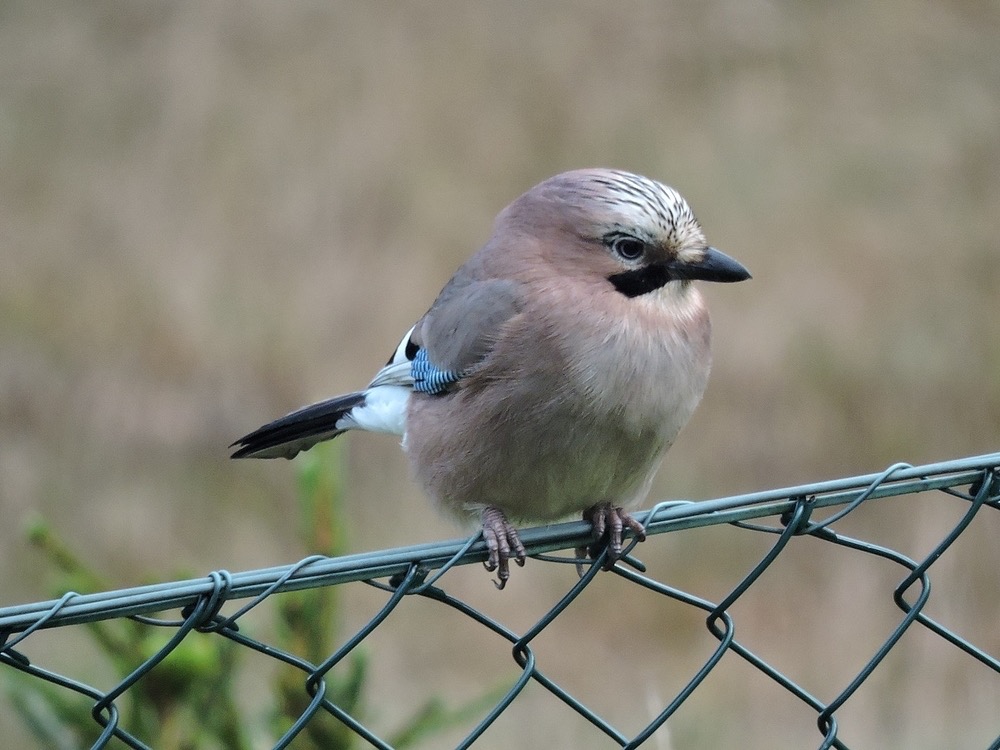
x=502, y=542
x=612, y=520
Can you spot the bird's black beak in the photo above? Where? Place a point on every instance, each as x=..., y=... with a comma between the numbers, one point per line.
x=714, y=266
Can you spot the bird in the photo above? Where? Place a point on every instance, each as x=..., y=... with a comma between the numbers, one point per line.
x=553, y=370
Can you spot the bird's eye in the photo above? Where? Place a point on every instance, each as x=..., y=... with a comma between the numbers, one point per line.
x=628, y=248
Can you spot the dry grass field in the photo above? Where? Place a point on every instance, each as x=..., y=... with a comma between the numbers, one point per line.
x=211, y=213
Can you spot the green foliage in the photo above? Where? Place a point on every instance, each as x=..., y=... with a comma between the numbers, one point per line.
x=308, y=621
x=188, y=699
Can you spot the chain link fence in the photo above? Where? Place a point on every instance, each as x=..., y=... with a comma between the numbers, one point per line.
x=219, y=603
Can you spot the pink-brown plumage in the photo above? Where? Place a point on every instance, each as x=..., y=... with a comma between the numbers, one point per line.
x=554, y=369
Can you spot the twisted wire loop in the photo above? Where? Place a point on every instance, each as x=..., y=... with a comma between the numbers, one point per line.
x=419, y=571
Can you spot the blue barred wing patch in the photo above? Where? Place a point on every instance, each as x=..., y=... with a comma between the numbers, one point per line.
x=429, y=379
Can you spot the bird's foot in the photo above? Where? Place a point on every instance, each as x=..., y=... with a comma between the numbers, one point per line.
x=502, y=542
x=612, y=521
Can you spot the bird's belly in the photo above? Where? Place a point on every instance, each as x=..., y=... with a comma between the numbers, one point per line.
x=585, y=420
x=539, y=468
x=573, y=472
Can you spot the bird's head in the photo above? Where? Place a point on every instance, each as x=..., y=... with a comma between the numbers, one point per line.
x=637, y=233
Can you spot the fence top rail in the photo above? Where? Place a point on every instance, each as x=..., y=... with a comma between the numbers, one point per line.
x=317, y=571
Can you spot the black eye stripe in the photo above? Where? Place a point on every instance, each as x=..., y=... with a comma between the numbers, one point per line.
x=639, y=281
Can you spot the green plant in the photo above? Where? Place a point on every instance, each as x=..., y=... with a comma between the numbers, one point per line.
x=188, y=700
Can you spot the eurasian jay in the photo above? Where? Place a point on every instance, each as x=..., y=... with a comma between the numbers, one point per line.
x=554, y=369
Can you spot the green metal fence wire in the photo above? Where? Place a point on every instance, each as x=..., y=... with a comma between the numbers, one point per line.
x=420, y=571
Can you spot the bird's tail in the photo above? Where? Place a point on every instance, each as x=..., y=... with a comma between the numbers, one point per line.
x=300, y=430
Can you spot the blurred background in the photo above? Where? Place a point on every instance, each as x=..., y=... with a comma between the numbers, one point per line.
x=212, y=213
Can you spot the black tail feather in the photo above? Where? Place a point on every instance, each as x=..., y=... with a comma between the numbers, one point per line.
x=298, y=431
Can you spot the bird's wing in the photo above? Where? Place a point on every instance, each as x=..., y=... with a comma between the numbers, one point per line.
x=453, y=336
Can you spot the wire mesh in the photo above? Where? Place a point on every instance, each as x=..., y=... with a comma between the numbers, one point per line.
x=422, y=571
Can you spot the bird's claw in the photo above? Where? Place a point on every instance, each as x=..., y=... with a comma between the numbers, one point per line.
x=502, y=543
x=611, y=521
